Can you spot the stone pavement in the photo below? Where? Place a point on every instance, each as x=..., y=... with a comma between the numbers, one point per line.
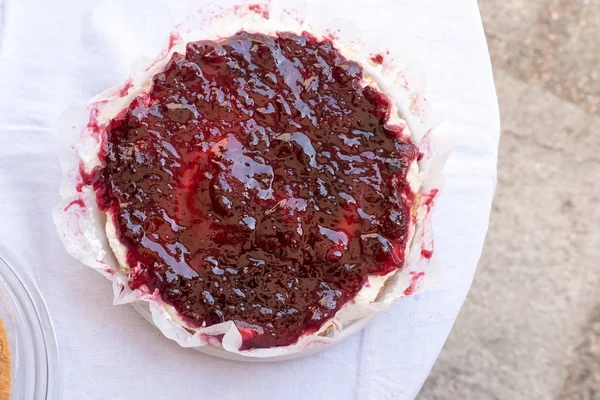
x=530, y=328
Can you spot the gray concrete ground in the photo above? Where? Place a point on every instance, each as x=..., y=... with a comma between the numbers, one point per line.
x=530, y=328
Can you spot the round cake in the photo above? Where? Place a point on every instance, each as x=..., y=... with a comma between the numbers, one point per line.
x=260, y=190
x=258, y=180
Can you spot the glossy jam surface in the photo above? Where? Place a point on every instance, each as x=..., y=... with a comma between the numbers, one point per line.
x=256, y=181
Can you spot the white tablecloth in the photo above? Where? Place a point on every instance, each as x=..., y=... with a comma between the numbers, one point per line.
x=54, y=53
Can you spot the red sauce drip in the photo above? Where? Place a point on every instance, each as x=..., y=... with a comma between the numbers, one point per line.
x=427, y=253
x=259, y=9
x=123, y=92
x=77, y=202
x=413, y=283
x=377, y=58
x=429, y=198
x=257, y=182
x=174, y=39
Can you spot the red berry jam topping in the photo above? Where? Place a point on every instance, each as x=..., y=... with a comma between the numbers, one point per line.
x=257, y=181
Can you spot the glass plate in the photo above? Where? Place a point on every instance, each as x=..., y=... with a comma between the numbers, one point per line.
x=34, y=353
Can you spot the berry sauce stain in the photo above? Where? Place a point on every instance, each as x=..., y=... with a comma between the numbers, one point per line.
x=413, y=282
x=125, y=90
x=257, y=182
x=79, y=203
x=260, y=9
x=377, y=58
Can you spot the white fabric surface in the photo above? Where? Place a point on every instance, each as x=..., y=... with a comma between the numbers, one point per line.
x=54, y=53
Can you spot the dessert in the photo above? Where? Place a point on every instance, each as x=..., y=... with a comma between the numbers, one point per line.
x=5, y=364
x=258, y=189
x=257, y=180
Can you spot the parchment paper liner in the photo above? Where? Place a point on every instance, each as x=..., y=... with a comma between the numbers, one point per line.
x=82, y=226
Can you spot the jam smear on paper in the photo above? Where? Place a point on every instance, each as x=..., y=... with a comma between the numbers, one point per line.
x=257, y=181
x=377, y=58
